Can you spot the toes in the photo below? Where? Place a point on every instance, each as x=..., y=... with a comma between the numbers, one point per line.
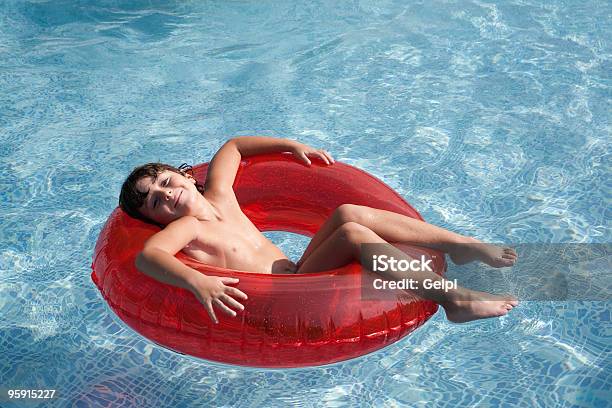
x=511, y=252
x=508, y=261
x=502, y=312
x=511, y=301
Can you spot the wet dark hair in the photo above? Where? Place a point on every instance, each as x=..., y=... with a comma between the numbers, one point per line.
x=130, y=199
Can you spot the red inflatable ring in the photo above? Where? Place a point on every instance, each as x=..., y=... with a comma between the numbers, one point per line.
x=289, y=320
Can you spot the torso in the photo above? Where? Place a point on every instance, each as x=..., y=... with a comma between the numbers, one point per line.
x=230, y=240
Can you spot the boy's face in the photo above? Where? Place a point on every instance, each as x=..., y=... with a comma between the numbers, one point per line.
x=170, y=196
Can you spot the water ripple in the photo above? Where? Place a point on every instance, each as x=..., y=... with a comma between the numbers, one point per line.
x=491, y=118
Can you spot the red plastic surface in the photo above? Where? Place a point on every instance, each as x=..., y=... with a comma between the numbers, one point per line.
x=289, y=320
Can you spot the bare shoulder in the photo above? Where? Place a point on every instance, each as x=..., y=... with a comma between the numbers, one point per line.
x=188, y=223
x=222, y=199
x=176, y=235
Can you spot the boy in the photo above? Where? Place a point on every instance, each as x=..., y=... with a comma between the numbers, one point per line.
x=208, y=225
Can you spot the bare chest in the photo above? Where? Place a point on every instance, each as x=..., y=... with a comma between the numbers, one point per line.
x=226, y=243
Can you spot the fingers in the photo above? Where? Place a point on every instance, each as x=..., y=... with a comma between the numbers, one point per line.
x=236, y=292
x=218, y=302
x=224, y=308
x=305, y=158
x=232, y=302
x=323, y=155
x=211, y=312
x=306, y=151
x=229, y=281
x=329, y=156
x=223, y=298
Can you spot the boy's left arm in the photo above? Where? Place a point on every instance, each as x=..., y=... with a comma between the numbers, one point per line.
x=224, y=165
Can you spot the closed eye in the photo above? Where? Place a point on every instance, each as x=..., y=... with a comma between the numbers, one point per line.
x=165, y=183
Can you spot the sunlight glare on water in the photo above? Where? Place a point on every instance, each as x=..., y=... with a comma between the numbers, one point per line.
x=491, y=118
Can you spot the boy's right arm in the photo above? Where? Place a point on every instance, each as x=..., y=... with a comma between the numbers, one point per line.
x=157, y=260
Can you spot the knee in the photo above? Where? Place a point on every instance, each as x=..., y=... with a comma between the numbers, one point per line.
x=354, y=233
x=346, y=213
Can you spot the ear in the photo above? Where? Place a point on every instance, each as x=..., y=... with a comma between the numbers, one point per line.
x=190, y=178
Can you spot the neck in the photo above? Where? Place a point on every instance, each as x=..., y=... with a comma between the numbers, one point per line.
x=206, y=211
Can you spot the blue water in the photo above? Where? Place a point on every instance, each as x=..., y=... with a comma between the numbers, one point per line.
x=491, y=117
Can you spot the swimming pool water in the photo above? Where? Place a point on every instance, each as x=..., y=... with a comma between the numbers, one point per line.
x=491, y=117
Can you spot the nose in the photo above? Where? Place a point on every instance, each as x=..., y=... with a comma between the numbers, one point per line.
x=167, y=193
x=164, y=194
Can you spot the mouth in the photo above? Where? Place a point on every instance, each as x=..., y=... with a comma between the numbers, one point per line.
x=178, y=198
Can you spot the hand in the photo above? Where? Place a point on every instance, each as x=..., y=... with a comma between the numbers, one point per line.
x=302, y=151
x=213, y=290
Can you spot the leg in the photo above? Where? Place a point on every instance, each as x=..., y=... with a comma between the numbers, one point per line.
x=394, y=227
x=344, y=245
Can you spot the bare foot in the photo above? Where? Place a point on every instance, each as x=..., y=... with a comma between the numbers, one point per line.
x=471, y=305
x=492, y=255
